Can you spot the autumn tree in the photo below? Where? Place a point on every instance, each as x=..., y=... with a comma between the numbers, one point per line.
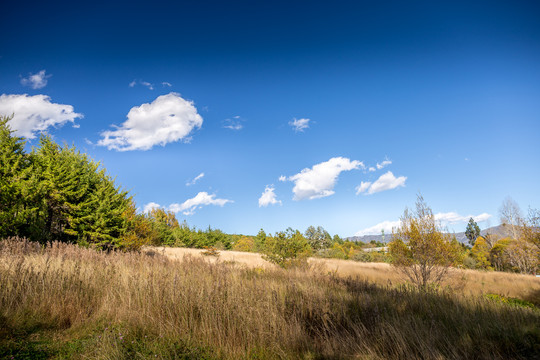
x=472, y=231
x=481, y=253
x=420, y=249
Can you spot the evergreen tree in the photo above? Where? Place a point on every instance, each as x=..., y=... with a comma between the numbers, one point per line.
x=472, y=231
x=15, y=192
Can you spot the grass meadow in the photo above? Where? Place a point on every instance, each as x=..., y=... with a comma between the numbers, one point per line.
x=67, y=302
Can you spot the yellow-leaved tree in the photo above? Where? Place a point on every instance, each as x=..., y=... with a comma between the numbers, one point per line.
x=420, y=249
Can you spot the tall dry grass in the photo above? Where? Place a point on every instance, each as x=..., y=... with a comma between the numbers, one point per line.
x=469, y=282
x=116, y=305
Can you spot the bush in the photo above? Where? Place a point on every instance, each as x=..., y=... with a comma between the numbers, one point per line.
x=287, y=249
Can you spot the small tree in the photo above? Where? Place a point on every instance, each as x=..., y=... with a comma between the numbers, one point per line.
x=472, y=231
x=420, y=249
x=287, y=248
x=318, y=238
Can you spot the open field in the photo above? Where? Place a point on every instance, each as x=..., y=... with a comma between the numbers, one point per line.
x=67, y=302
x=470, y=282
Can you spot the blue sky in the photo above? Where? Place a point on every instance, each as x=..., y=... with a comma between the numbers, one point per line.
x=444, y=97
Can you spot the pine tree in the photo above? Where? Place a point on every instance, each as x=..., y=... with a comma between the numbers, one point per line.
x=15, y=171
x=472, y=231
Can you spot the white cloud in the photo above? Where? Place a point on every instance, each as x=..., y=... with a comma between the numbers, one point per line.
x=454, y=218
x=299, y=124
x=386, y=182
x=36, y=81
x=150, y=206
x=362, y=187
x=449, y=218
x=234, y=124
x=282, y=178
x=189, y=206
x=197, y=178
x=319, y=181
x=387, y=226
x=371, y=169
x=36, y=113
x=268, y=197
x=167, y=119
x=165, y=83
x=147, y=84
x=383, y=164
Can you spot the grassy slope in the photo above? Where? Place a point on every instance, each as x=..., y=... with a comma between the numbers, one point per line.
x=68, y=302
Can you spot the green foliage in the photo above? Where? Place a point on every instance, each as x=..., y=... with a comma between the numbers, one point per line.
x=510, y=301
x=260, y=241
x=318, y=238
x=15, y=184
x=58, y=193
x=472, y=231
x=287, y=248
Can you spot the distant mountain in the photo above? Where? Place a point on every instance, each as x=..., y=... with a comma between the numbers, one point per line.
x=500, y=231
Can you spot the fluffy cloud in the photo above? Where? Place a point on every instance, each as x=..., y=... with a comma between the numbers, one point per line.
x=386, y=182
x=319, y=181
x=148, y=207
x=299, y=124
x=197, y=178
x=449, y=218
x=189, y=206
x=35, y=113
x=268, y=197
x=168, y=118
x=387, y=226
x=455, y=218
x=165, y=83
x=36, y=81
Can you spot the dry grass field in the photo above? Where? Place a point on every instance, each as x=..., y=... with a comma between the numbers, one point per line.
x=469, y=282
x=68, y=302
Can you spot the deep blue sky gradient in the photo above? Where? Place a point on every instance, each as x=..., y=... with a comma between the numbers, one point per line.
x=426, y=84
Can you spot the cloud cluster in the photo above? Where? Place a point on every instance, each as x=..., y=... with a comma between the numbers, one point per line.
x=299, y=125
x=319, y=181
x=449, y=218
x=387, y=226
x=197, y=178
x=189, y=206
x=268, y=197
x=36, y=81
x=233, y=124
x=385, y=182
x=36, y=113
x=455, y=218
x=169, y=118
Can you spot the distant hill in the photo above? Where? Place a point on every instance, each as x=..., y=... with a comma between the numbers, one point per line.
x=500, y=231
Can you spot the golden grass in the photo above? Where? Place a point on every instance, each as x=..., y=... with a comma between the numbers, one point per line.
x=469, y=282
x=137, y=306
